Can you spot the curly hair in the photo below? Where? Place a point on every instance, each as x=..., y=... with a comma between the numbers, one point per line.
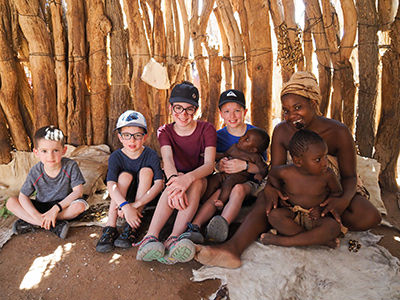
x=301, y=140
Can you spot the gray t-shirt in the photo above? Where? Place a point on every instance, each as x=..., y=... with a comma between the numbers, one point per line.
x=53, y=189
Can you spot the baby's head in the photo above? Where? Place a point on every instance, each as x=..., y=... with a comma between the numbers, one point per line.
x=49, y=133
x=309, y=151
x=255, y=140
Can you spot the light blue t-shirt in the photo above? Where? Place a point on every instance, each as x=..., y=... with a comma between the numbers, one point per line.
x=225, y=140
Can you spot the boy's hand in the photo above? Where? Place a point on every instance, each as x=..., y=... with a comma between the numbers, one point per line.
x=178, y=184
x=334, y=205
x=315, y=213
x=132, y=215
x=219, y=204
x=232, y=166
x=49, y=218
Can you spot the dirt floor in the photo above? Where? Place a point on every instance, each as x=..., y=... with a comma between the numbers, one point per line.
x=41, y=266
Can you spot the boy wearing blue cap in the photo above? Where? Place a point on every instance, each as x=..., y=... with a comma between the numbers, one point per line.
x=134, y=178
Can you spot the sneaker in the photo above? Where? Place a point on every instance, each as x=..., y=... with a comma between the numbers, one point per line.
x=61, y=229
x=217, y=229
x=193, y=233
x=106, y=241
x=126, y=238
x=150, y=248
x=21, y=227
x=179, y=250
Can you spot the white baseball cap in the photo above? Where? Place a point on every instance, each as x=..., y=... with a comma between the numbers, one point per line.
x=131, y=118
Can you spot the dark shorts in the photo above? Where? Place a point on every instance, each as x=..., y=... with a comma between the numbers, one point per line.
x=43, y=207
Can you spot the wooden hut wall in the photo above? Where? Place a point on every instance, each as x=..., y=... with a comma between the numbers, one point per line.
x=79, y=64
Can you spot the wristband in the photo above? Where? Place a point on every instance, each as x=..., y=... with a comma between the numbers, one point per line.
x=122, y=204
x=169, y=178
x=59, y=207
x=247, y=166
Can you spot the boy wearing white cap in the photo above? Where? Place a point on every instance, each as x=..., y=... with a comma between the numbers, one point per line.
x=134, y=178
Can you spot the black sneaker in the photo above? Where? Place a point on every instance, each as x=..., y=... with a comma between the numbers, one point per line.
x=106, y=241
x=193, y=233
x=21, y=227
x=126, y=238
x=61, y=229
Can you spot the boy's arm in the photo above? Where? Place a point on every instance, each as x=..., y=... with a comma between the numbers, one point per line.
x=50, y=216
x=168, y=161
x=334, y=185
x=150, y=194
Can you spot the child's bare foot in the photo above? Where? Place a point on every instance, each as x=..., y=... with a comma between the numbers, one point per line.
x=269, y=238
x=218, y=204
x=217, y=256
x=335, y=243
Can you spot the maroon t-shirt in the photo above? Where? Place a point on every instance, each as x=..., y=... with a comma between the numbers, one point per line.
x=188, y=150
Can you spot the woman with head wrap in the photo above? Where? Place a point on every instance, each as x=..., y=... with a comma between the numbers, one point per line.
x=300, y=98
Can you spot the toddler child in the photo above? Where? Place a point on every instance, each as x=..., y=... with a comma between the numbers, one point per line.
x=134, y=178
x=57, y=182
x=306, y=183
x=188, y=154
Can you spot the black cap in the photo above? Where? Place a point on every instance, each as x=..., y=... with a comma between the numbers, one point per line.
x=185, y=92
x=232, y=96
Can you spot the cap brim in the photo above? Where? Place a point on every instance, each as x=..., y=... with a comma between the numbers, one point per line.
x=185, y=100
x=132, y=124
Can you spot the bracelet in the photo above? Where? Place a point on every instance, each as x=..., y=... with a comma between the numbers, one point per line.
x=122, y=204
x=59, y=207
x=247, y=166
x=169, y=178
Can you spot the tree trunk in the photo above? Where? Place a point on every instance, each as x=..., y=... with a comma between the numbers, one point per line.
x=226, y=50
x=308, y=45
x=210, y=113
x=368, y=70
x=97, y=28
x=234, y=39
x=8, y=87
x=185, y=52
x=5, y=145
x=59, y=39
x=119, y=91
x=261, y=52
x=76, y=126
x=387, y=146
x=313, y=12
x=41, y=62
x=198, y=26
x=140, y=54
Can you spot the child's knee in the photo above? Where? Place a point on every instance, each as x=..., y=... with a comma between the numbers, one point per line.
x=239, y=190
x=275, y=216
x=146, y=173
x=11, y=203
x=125, y=179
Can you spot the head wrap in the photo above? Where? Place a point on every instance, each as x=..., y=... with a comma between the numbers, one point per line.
x=304, y=84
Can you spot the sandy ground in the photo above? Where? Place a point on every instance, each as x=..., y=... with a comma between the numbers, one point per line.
x=41, y=266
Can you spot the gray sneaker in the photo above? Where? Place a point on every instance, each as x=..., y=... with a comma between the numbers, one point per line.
x=193, y=233
x=217, y=229
x=21, y=227
x=61, y=229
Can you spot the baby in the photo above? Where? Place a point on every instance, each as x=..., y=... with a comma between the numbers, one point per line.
x=250, y=148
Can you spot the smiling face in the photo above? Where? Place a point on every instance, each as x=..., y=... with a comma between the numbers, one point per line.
x=233, y=114
x=298, y=111
x=180, y=115
x=132, y=138
x=50, y=152
x=314, y=160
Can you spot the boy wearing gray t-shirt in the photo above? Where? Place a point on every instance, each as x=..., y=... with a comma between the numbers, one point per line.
x=57, y=184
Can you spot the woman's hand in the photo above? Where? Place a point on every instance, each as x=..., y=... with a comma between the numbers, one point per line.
x=272, y=196
x=334, y=205
x=232, y=166
x=49, y=218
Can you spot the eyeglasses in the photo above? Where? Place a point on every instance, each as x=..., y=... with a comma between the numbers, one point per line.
x=136, y=136
x=179, y=109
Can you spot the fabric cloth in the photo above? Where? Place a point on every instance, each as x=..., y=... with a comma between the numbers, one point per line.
x=52, y=189
x=302, y=217
x=304, y=84
x=188, y=150
x=119, y=162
